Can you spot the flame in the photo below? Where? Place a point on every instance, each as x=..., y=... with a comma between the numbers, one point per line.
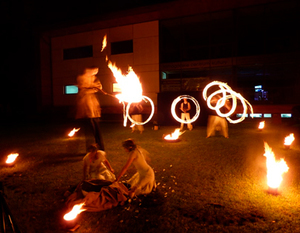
x=131, y=88
x=289, y=139
x=104, y=43
x=275, y=169
x=224, y=88
x=77, y=209
x=71, y=134
x=174, y=136
x=11, y=158
x=261, y=125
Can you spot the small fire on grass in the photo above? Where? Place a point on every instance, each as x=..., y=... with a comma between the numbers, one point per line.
x=173, y=137
x=71, y=216
x=261, y=125
x=11, y=158
x=73, y=131
x=275, y=170
x=289, y=140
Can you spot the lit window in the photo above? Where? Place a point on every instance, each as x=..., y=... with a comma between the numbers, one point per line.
x=71, y=89
x=286, y=115
x=256, y=115
x=267, y=115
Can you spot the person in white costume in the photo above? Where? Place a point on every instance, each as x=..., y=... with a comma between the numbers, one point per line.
x=143, y=181
x=96, y=165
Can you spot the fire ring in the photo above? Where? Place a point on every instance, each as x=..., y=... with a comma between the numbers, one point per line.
x=224, y=88
x=175, y=101
x=149, y=118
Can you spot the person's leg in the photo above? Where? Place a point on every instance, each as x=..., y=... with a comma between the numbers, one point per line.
x=95, y=123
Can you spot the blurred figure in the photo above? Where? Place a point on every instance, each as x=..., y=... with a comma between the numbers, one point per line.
x=96, y=165
x=136, y=115
x=143, y=181
x=185, y=107
x=88, y=105
x=215, y=122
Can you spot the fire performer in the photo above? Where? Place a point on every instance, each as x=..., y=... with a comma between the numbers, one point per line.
x=96, y=165
x=215, y=122
x=185, y=107
x=88, y=105
x=143, y=181
x=136, y=115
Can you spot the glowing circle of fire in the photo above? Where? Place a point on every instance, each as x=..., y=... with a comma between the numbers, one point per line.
x=224, y=89
x=11, y=158
x=275, y=169
x=150, y=116
x=173, y=106
x=77, y=209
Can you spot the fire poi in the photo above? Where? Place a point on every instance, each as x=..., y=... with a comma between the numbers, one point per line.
x=288, y=140
x=275, y=169
x=224, y=89
x=173, y=136
x=261, y=125
x=173, y=107
x=131, y=89
x=11, y=158
x=73, y=131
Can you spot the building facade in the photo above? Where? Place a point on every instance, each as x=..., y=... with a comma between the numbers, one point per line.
x=180, y=46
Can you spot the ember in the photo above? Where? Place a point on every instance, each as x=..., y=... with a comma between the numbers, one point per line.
x=289, y=140
x=11, y=158
x=275, y=169
x=77, y=209
x=261, y=125
x=173, y=136
x=71, y=134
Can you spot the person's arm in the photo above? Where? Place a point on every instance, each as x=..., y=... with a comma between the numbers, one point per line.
x=126, y=166
x=107, y=164
x=84, y=170
x=189, y=107
x=181, y=107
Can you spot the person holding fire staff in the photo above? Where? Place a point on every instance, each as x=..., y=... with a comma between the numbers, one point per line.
x=88, y=105
x=143, y=181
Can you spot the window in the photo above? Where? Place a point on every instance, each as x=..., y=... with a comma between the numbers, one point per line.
x=71, y=89
x=78, y=52
x=120, y=47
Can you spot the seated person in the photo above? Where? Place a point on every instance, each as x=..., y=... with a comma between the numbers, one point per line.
x=96, y=165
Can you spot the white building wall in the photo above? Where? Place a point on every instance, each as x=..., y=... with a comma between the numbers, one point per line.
x=144, y=60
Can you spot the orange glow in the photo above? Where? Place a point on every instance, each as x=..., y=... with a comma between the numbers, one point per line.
x=77, y=209
x=261, y=125
x=173, y=136
x=289, y=139
x=11, y=158
x=104, y=43
x=131, y=88
x=275, y=169
x=73, y=131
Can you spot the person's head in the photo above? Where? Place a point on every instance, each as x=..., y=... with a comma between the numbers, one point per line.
x=129, y=144
x=93, y=148
x=91, y=70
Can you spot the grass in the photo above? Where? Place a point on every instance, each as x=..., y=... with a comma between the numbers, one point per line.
x=204, y=185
